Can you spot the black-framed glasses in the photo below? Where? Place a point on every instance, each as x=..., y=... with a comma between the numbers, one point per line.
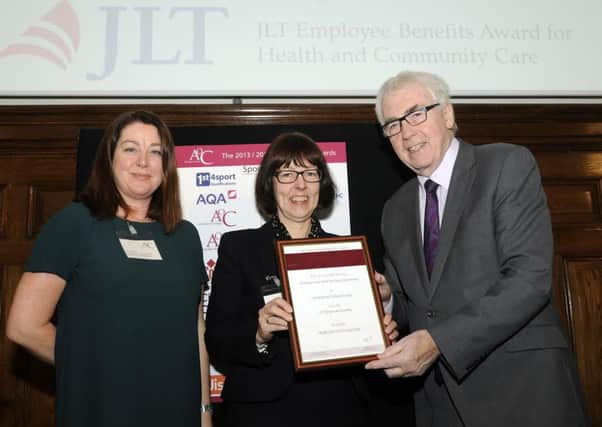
x=287, y=176
x=413, y=118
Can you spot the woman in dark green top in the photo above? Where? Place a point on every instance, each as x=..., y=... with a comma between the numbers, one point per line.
x=124, y=273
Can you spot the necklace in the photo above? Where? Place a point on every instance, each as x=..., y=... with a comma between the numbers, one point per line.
x=131, y=228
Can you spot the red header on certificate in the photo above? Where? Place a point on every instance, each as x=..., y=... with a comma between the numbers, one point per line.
x=343, y=258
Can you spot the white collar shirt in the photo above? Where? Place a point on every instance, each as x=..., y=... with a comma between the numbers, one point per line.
x=442, y=176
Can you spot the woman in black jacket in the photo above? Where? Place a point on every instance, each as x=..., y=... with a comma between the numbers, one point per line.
x=246, y=336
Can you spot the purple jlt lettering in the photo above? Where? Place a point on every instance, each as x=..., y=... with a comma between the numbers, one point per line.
x=146, y=16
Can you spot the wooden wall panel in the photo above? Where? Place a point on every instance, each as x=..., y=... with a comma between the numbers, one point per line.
x=44, y=201
x=583, y=283
x=570, y=165
x=578, y=281
x=574, y=201
x=3, y=210
x=9, y=387
x=27, y=384
x=35, y=182
x=37, y=173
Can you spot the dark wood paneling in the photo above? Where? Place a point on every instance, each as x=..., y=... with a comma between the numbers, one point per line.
x=37, y=173
x=574, y=201
x=570, y=165
x=3, y=210
x=583, y=283
x=44, y=201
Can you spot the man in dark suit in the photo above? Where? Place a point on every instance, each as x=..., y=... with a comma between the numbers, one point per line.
x=468, y=255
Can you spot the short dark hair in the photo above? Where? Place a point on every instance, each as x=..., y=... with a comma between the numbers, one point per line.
x=100, y=194
x=287, y=148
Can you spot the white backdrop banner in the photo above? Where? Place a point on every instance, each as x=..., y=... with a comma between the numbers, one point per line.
x=235, y=48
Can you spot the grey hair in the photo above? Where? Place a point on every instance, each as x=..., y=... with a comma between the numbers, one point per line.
x=431, y=82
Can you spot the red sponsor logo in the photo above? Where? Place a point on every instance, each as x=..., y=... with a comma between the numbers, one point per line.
x=213, y=241
x=217, y=385
x=223, y=216
x=58, y=32
x=209, y=267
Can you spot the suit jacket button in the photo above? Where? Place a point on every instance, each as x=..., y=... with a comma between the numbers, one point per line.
x=430, y=314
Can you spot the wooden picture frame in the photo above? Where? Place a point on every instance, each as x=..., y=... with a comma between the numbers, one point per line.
x=337, y=311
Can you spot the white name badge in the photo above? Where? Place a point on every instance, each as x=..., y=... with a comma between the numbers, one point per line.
x=141, y=249
x=270, y=297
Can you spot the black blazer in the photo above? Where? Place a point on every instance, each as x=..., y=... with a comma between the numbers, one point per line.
x=245, y=258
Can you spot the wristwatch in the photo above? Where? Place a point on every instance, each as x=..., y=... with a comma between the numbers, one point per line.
x=206, y=408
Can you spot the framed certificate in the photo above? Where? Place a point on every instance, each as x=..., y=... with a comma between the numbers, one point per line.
x=337, y=311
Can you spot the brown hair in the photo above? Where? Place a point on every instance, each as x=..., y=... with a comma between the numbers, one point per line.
x=287, y=148
x=101, y=195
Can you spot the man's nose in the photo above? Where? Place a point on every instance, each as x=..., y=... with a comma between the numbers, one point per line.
x=407, y=130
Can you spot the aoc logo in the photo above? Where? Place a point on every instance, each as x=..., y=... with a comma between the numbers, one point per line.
x=54, y=38
x=213, y=241
x=223, y=216
x=205, y=179
x=202, y=156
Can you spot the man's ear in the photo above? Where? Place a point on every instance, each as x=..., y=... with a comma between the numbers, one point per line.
x=449, y=116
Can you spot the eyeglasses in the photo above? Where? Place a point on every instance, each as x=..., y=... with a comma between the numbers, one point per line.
x=413, y=118
x=287, y=176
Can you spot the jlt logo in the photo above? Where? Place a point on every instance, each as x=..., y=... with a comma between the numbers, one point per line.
x=58, y=49
x=148, y=17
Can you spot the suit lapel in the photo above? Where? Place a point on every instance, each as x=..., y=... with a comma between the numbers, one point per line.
x=459, y=189
x=410, y=256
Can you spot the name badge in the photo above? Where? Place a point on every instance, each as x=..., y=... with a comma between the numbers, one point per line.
x=140, y=249
x=271, y=288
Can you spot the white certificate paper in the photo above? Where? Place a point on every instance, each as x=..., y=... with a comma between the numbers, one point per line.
x=337, y=313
